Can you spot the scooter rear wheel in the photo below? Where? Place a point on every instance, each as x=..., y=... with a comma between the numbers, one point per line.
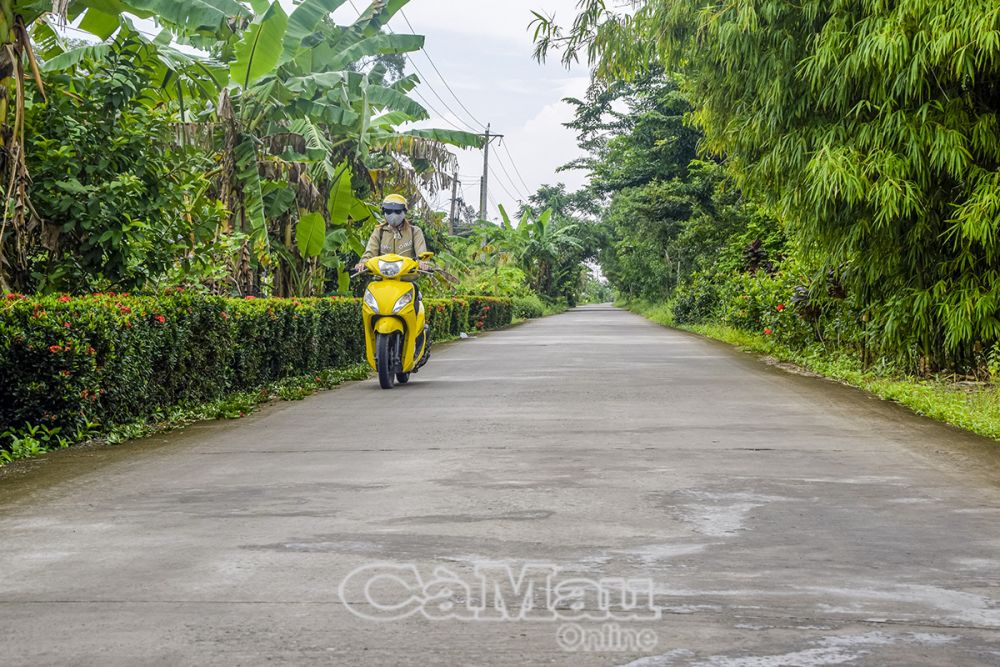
x=384, y=352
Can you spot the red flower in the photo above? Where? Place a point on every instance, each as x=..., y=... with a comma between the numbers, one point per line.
x=486, y=309
x=91, y=350
x=111, y=294
x=14, y=297
x=126, y=310
x=66, y=324
x=160, y=318
x=224, y=315
x=319, y=379
x=64, y=299
x=55, y=349
x=768, y=331
x=781, y=307
x=250, y=298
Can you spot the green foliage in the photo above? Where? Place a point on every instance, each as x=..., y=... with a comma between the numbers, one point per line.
x=528, y=307
x=447, y=318
x=869, y=129
x=113, y=358
x=119, y=202
x=248, y=167
x=488, y=312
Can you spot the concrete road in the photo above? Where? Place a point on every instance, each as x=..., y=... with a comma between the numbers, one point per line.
x=694, y=505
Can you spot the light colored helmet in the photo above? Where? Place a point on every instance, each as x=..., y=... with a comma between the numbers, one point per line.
x=394, y=204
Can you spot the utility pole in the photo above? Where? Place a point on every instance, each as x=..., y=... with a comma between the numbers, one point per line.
x=485, y=183
x=454, y=204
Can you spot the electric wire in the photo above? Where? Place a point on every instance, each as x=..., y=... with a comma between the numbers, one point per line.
x=441, y=76
x=467, y=127
x=502, y=186
x=510, y=180
x=513, y=163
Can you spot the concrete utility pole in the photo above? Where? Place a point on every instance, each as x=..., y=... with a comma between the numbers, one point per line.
x=454, y=204
x=485, y=183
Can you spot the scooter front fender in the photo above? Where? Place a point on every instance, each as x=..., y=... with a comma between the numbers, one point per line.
x=388, y=325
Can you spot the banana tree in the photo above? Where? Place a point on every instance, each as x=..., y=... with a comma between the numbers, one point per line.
x=314, y=119
x=302, y=119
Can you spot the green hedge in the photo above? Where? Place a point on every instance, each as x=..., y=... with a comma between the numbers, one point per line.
x=447, y=317
x=113, y=359
x=528, y=307
x=489, y=312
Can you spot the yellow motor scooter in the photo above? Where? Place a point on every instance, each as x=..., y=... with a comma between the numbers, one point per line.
x=396, y=334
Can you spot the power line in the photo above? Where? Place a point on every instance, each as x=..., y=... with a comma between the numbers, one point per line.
x=468, y=127
x=504, y=187
x=509, y=179
x=481, y=124
x=431, y=88
x=513, y=163
x=427, y=105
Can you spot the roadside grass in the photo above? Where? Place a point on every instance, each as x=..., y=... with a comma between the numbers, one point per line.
x=34, y=441
x=974, y=407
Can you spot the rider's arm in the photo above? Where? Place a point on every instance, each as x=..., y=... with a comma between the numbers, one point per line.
x=419, y=243
x=374, y=248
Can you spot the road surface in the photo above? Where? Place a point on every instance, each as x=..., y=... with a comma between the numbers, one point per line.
x=697, y=506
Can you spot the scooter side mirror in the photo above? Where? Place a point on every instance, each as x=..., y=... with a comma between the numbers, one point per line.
x=426, y=256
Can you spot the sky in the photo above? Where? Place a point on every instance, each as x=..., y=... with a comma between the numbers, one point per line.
x=483, y=48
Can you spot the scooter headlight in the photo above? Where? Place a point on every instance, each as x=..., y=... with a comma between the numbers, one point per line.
x=403, y=302
x=370, y=301
x=390, y=269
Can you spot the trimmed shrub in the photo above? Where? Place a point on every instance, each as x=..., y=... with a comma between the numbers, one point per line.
x=112, y=359
x=489, y=312
x=528, y=307
x=446, y=317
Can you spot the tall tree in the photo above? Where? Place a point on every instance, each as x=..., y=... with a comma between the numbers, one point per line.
x=869, y=127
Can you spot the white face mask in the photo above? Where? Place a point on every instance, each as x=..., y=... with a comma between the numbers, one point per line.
x=395, y=219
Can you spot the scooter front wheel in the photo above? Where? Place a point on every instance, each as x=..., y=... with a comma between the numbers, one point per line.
x=402, y=378
x=384, y=351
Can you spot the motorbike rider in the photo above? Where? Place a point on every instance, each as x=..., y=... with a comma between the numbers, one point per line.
x=396, y=235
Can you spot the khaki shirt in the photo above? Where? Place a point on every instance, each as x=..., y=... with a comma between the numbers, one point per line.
x=407, y=241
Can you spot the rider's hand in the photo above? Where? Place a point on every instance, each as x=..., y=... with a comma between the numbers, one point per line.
x=359, y=267
x=424, y=266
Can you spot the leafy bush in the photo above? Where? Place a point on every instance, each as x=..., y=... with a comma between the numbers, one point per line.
x=762, y=303
x=447, y=318
x=506, y=281
x=68, y=363
x=695, y=301
x=528, y=307
x=122, y=204
x=487, y=312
